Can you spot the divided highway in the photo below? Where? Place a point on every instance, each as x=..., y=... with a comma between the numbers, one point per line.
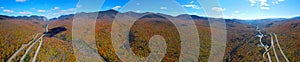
x=268, y=48
x=31, y=43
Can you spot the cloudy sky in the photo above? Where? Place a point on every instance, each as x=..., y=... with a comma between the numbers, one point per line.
x=239, y=9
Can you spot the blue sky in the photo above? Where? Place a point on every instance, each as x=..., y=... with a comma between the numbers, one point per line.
x=239, y=9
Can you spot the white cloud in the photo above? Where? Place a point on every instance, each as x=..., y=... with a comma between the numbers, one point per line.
x=236, y=11
x=41, y=10
x=138, y=11
x=62, y=12
x=67, y=11
x=238, y=14
x=253, y=2
x=264, y=8
x=56, y=8
x=263, y=3
x=8, y=11
x=191, y=6
x=20, y=0
x=218, y=9
x=25, y=13
x=163, y=8
x=280, y=0
x=275, y=3
x=116, y=8
x=191, y=2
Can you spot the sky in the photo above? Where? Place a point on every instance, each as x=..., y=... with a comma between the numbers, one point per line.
x=237, y=9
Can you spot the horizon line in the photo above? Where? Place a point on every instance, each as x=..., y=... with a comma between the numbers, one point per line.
x=154, y=13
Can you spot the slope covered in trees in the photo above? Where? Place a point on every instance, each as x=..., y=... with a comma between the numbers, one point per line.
x=242, y=45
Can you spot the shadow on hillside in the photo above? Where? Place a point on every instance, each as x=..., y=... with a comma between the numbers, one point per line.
x=52, y=32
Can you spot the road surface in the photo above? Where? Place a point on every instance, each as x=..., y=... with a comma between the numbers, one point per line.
x=21, y=48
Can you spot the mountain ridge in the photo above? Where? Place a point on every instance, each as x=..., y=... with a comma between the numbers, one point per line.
x=112, y=13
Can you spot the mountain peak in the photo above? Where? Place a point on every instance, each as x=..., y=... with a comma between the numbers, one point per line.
x=152, y=15
x=109, y=11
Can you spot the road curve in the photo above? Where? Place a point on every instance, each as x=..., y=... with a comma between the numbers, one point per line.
x=260, y=39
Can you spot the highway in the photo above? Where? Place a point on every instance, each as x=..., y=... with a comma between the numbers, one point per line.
x=23, y=57
x=41, y=42
x=38, y=49
x=286, y=59
x=268, y=49
x=31, y=43
x=273, y=47
x=265, y=47
x=21, y=48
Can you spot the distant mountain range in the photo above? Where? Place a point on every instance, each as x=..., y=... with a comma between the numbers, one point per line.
x=33, y=17
x=113, y=13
